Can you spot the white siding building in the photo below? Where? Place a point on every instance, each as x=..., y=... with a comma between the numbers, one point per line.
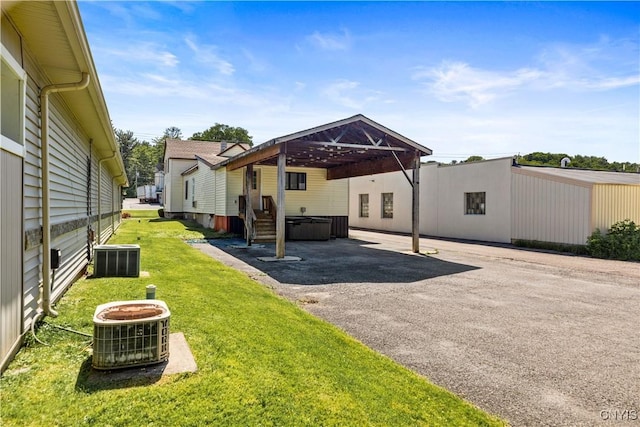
x=498, y=201
x=61, y=173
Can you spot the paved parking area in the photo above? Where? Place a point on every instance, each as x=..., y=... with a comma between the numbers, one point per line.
x=536, y=338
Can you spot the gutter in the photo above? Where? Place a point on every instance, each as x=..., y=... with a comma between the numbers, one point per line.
x=106, y=159
x=46, y=209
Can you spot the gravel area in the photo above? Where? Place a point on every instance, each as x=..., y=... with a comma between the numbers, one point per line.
x=535, y=338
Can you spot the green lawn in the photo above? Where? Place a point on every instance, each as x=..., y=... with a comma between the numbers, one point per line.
x=261, y=359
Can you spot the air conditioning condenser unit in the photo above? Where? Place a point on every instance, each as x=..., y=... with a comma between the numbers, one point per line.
x=116, y=260
x=130, y=333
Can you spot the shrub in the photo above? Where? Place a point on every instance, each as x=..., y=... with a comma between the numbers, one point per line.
x=161, y=213
x=622, y=241
x=126, y=215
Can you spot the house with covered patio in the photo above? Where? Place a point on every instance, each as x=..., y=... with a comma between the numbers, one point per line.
x=301, y=174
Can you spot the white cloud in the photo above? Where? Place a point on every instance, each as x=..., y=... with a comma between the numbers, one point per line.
x=206, y=54
x=602, y=66
x=349, y=94
x=341, y=92
x=331, y=42
x=458, y=81
x=143, y=52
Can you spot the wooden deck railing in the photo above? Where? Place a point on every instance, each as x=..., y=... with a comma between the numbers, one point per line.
x=268, y=204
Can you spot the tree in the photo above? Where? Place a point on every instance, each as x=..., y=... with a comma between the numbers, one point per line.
x=143, y=161
x=221, y=132
x=159, y=142
x=127, y=143
x=173, y=133
x=577, y=161
x=472, y=159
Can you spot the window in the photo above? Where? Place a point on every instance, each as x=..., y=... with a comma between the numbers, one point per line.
x=364, y=206
x=12, y=103
x=254, y=183
x=186, y=190
x=193, y=189
x=387, y=205
x=296, y=181
x=474, y=203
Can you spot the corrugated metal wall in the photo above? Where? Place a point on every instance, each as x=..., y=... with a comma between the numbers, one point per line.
x=549, y=210
x=613, y=203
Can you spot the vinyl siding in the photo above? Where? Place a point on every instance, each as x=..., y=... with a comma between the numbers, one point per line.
x=220, y=192
x=233, y=191
x=613, y=203
x=10, y=255
x=69, y=153
x=174, y=184
x=321, y=198
x=68, y=150
x=207, y=199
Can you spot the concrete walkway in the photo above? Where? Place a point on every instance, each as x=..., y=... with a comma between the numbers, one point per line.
x=536, y=338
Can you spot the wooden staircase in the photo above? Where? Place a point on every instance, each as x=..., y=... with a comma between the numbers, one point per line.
x=265, y=227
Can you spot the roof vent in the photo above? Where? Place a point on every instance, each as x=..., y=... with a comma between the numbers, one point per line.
x=223, y=146
x=564, y=162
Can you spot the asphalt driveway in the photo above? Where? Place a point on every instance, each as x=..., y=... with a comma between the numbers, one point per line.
x=536, y=338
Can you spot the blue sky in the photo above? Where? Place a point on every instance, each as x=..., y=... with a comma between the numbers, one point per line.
x=469, y=78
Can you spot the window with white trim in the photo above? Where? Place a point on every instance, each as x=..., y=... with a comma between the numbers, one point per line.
x=474, y=203
x=12, y=103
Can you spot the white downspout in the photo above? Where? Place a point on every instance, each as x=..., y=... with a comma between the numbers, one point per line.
x=46, y=210
x=100, y=193
x=113, y=207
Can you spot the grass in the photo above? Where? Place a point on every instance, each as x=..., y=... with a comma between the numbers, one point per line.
x=261, y=359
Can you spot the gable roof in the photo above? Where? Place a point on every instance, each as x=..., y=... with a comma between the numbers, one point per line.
x=187, y=150
x=349, y=147
x=210, y=152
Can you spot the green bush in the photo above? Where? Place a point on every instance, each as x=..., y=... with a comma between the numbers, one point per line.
x=622, y=242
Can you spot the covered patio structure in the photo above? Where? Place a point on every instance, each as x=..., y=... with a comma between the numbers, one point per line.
x=351, y=147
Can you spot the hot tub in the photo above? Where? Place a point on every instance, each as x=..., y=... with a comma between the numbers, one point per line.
x=307, y=228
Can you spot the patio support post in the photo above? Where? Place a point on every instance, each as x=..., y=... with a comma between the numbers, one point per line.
x=248, y=210
x=415, y=214
x=280, y=223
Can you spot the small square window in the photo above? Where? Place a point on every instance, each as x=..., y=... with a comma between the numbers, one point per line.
x=475, y=203
x=364, y=206
x=387, y=205
x=296, y=181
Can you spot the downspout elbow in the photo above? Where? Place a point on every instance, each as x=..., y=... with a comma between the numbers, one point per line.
x=46, y=209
